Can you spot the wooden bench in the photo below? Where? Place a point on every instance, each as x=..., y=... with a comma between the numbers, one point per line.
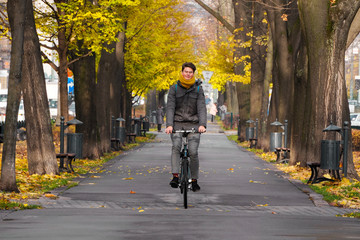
x=315, y=171
x=285, y=156
x=115, y=143
x=69, y=158
x=253, y=142
x=131, y=137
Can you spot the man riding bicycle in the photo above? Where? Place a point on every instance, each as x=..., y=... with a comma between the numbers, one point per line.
x=186, y=109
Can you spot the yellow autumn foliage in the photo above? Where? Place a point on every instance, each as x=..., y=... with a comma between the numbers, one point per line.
x=219, y=58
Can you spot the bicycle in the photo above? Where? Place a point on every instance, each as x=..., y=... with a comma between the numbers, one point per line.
x=185, y=173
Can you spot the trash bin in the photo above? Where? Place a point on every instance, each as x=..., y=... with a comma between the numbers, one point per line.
x=74, y=144
x=146, y=124
x=330, y=154
x=153, y=117
x=120, y=134
x=276, y=137
x=249, y=133
x=275, y=140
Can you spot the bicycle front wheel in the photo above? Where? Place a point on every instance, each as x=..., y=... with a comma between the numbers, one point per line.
x=185, y=182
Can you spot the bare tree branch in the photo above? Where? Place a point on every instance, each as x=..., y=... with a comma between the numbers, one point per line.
x=226, y=24
x=80, y=57
x=48, y=61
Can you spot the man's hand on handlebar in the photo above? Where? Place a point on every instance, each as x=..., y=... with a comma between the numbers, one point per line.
x=202, y=129
x=169, y=130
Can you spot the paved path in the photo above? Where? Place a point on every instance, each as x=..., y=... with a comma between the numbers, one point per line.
x=241, y=197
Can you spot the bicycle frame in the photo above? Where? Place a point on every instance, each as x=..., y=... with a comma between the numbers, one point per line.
x=185, y=174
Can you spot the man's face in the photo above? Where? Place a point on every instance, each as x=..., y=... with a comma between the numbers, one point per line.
x=187, y=73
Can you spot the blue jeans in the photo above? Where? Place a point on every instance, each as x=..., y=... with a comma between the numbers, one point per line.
x=193, y=145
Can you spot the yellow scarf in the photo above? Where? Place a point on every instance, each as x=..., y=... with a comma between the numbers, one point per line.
x=187, y=83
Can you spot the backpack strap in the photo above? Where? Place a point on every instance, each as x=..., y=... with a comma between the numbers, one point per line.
x=198, y=88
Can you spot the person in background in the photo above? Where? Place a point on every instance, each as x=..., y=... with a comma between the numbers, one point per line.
x=213, y=111
x=160, y=117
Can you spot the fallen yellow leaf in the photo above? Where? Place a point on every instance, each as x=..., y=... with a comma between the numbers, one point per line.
x=262, y=205
x=128, y=178
x=52, y=196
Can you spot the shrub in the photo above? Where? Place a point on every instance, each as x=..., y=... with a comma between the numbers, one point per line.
x=355, y=139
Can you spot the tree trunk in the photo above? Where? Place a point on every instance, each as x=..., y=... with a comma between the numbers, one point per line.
x=40, y=146
x=62, y=69
x=126, y=100
x=242, y=12
x=283, y=73
x=16, y=14
x=116, y=83
x=326, y=30
x=85, y=98
x=264, y=139
x=106, y=75
x=258, y=104
x=286, y=43
x=151, y=104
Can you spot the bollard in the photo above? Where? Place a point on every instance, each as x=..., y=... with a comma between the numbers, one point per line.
x=345, y=146
x=239, y=129
x=257, y=128
x=62, y=129
x=113, y=127
x=285, y=137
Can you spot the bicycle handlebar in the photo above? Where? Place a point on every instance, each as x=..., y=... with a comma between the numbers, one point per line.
x=186, y=131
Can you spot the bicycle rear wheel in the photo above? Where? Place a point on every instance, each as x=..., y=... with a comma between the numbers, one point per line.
x=185, y=182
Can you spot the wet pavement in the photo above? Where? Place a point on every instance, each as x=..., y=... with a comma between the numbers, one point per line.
x=241, y=197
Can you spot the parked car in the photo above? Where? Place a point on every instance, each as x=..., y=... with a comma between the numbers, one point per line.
x=355, y=120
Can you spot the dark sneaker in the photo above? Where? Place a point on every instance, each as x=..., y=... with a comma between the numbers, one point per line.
x=195, y=186
x=174, y=183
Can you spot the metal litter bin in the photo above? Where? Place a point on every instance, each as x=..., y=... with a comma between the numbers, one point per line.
x=146, y=124
x=120, y=134
x=74, y=144
x=330, y=154
x=249, y=133
x=276, y=137
x=275, y=140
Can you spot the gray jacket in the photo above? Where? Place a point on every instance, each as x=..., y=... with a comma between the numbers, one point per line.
x=186, y=107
